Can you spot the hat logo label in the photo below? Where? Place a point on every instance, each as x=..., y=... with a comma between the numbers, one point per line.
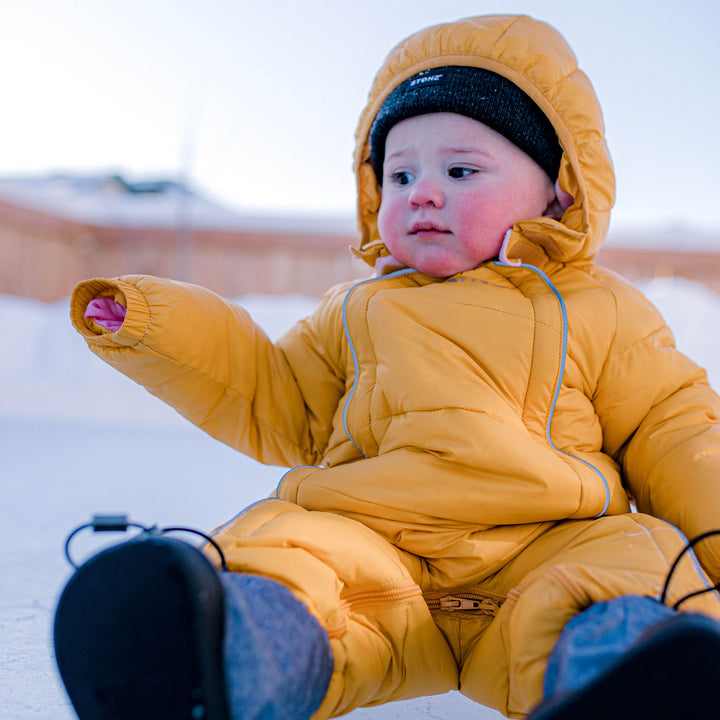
x=426, y=80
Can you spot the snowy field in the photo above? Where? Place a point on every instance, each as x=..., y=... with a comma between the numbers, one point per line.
x=78, y=439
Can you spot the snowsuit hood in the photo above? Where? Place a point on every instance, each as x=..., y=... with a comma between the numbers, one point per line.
x=538, y=60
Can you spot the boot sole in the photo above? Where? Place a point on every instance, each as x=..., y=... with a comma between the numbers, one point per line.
x=138, y=634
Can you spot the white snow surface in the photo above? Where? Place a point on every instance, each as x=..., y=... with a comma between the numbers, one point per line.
x=79, y=438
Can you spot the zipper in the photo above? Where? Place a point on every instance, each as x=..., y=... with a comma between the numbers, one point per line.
x=461, y=601
x=375, y=597
x=466, y=602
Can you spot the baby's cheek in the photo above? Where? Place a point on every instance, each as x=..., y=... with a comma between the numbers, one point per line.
x=387, y=224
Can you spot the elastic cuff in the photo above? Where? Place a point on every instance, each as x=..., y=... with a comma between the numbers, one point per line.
x=137, y=320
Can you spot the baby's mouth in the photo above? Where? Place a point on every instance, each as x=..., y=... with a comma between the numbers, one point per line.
x=427, y=227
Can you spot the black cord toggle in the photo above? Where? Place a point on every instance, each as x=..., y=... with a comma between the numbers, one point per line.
x=121, y=523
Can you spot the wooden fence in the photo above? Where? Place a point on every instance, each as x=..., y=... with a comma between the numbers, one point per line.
x=43, y=257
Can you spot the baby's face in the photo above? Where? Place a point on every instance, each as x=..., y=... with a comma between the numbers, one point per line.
x=452, y=187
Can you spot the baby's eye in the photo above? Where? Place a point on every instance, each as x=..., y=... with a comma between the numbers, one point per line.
x=461, y=172
x=401, y=177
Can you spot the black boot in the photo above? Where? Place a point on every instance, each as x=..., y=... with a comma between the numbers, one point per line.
x=606, y=666
x=671, y=674
x=139, y=632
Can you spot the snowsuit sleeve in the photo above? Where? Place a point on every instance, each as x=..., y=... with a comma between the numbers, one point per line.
x=206, y=358
x=661, y=420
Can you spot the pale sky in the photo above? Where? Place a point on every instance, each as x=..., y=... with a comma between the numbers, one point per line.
x=257, y=102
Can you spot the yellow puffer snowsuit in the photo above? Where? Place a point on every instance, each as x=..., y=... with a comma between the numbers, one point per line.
x=465, y=446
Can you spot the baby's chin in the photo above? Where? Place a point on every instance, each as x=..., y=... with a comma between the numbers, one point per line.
x=441, y=273
x=434, y=262
x=442, y=262
x=442, y=268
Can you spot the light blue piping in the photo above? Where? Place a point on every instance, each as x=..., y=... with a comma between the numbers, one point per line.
x=237, y=516
x=397, y=273
x=407, y=271
x=404, y=271
x=548, y=425
x=276, y=496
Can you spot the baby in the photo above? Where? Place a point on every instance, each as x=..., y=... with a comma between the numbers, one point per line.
x=466, y=432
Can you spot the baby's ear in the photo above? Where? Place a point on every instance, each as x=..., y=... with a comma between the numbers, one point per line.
x=559, y=204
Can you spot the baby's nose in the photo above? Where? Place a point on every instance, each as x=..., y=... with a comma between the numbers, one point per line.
x=427, y=191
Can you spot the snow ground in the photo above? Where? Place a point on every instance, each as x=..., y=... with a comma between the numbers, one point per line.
x=78, y=439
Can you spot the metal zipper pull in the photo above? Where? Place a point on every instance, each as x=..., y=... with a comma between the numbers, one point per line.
x=467, y=602
x=452, y=603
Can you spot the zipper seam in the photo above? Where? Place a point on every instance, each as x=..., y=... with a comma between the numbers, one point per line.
x=561, y=375
x=373, y=597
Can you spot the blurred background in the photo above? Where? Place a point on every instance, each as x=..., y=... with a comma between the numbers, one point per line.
x=201, y=139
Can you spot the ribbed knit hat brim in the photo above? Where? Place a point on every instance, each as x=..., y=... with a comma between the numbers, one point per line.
x=478, y=94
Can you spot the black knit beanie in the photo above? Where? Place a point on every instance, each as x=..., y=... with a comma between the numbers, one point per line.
x=479, y=94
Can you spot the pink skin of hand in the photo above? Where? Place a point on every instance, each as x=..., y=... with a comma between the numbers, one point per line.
x=106, y=313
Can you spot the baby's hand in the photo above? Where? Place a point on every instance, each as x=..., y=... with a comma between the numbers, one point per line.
x=106, y=312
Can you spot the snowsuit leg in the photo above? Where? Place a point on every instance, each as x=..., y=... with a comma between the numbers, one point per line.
x=563, y=572
x=362, y=590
